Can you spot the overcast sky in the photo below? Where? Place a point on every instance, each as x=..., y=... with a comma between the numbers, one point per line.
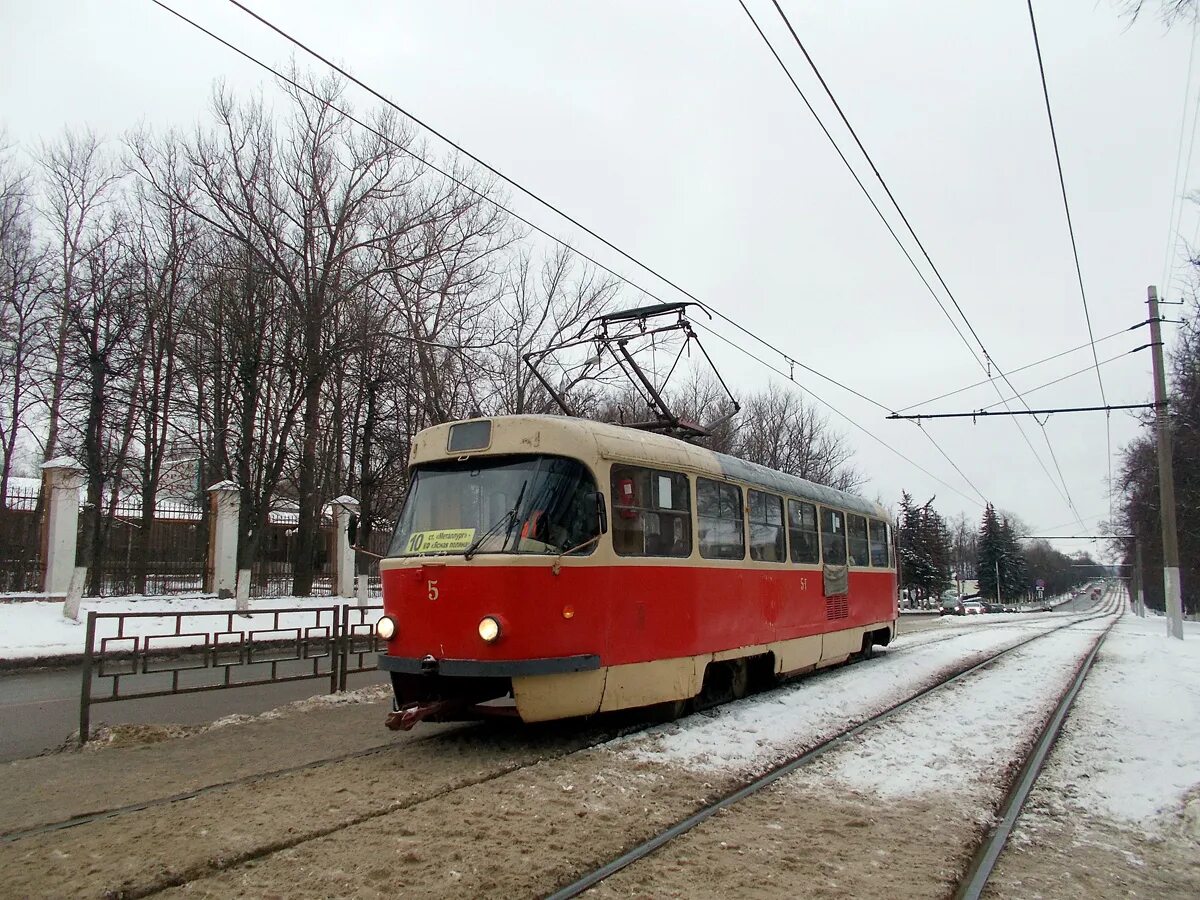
x=668, y=128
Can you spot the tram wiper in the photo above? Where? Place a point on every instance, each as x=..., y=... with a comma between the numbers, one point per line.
x=509, y=519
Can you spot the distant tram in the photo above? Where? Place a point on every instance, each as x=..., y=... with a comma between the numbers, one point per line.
x=547, y=567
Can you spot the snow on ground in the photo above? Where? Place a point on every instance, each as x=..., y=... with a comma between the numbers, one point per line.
x=976, y=725
x=758, y=732
x=33, y=629
x=1131, y=747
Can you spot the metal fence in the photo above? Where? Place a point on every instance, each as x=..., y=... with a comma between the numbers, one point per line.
x=136, y=655
x=163, y=555
x=20, y=540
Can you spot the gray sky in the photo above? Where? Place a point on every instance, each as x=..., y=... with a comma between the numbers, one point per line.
x=669, y=129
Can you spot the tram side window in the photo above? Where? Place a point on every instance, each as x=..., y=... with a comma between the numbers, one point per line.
x=879, y=544
x=833, y=537
x=651, y=512
x=802, y=531
x=719, y=520
x=766, y=527
x=856, y=531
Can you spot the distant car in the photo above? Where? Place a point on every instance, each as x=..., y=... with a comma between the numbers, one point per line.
x=950, y=606
x=971, y=608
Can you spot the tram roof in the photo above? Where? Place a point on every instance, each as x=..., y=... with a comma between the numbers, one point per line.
x=617, y=442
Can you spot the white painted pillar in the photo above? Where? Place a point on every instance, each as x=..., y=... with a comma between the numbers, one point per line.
x=62, y=478
x=225, y=503
x=343, y=554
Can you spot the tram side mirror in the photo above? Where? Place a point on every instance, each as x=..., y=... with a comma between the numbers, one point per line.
x=352, y=529
x=598, y=512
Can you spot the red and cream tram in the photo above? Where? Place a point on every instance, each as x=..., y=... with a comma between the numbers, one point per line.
x=549, y=567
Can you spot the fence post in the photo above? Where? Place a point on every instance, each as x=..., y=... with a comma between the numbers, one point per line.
x=341, y=616
x=85, y=694
x=61, y=479
x=225, y=501
x=343, y=554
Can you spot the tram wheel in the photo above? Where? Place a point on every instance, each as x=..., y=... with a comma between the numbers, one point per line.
x=739, y=678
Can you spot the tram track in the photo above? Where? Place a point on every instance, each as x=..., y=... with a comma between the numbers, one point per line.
x=183, y=872
x=115, y=811
x=989, y=849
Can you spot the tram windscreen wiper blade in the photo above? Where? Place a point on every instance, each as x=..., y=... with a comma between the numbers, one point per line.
x=508, y=518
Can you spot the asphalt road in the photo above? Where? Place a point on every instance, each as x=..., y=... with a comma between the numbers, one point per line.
x=39, y=709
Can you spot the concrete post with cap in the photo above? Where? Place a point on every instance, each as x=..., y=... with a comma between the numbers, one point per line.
x=62, y=477
x=344, y=507
x=225, y=504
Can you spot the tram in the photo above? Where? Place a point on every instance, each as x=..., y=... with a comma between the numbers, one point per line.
x=548, y=567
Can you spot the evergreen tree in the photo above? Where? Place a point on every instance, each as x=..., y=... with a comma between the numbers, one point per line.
x=990, y=551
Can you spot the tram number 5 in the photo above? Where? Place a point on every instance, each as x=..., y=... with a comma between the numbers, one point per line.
x=433, y=590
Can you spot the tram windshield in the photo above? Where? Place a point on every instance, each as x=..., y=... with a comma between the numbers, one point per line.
x=503, y=504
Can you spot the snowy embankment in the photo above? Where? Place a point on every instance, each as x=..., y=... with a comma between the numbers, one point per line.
x=36, y=629
x=755, y=734
x=1130, y=750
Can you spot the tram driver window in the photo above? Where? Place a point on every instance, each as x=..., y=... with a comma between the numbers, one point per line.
x=719, y=520
x=879, y=544
x=802, y=531
x=833, y=537
x=856, y=531
x=651, y=512
x=766, y=527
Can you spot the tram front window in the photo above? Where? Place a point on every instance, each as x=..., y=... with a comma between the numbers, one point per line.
x=526, y=504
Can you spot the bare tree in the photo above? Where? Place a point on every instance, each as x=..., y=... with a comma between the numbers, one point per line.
x=777, y=429
x=23, y=271
x=78, y=179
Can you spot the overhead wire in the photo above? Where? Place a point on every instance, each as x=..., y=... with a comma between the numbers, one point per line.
x=1063, y=490
x=1034, y=390
x=1023, y=368
x=790, y=377
x=1075, y=251
x=520, y=187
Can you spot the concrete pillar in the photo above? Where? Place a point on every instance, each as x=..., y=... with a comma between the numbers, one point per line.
x=62, y=478
x=343, y=554
x=225, y=503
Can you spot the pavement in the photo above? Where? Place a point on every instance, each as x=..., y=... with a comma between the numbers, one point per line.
x=39, y=708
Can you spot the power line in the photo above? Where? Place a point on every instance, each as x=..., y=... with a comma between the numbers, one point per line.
x=1172, y=220
x=983, y=413
x=1023, y=368
x=1066, y=205
x=1034, y=390
x=861, y=428
x=791, y=361
x=1063, y=492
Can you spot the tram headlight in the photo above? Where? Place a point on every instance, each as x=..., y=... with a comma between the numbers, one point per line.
x=489, y=629
x=386, y=628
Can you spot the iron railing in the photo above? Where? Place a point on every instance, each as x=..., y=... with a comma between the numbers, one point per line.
x=132, y=658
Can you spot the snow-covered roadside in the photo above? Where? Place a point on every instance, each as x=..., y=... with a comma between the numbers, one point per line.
x=759, y=732
x=36, y=629
x=960, y=740
x=1130, y=750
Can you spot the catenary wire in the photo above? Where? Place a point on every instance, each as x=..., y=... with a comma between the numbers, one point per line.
x=850, y=420
x=549, y=235
x=1063, y=491
x=1023, y=368
x=1175, y=194
x=1062, y=183
x=1076, y=373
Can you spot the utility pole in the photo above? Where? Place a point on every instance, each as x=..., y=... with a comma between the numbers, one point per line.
x=1166, y=476
x=1139, y=598
x=998, y=600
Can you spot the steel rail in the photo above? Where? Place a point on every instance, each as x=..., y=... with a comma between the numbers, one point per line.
x=647, y=847
x=988, y=853
x=9, y=837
